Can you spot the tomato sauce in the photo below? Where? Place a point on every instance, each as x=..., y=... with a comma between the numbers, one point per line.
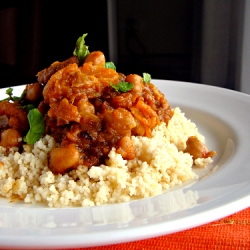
x=88, y=116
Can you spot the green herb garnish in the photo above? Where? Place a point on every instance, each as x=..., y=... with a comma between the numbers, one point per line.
x=10, y=97
x=37, y=126
x=9, y=91
x=122, y=86
x=27, y=107
x=110, y=65
x=81, y=50
x=146, y=78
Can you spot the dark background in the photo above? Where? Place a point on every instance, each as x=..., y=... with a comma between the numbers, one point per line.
x=37, y=33
x=161, y=37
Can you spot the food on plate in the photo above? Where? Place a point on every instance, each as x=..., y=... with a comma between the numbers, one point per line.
x=86, y=135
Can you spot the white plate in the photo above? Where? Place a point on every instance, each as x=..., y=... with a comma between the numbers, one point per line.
x=224, y=188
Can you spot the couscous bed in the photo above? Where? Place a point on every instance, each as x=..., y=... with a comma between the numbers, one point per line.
x=84, y=134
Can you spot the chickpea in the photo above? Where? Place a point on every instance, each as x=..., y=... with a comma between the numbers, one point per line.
x=34, y=92
x=11, y=138
x=196, y=148
x=119, y=121
x=126, y=148
x=138, y=83
x=64, y=159
x=96, y=57
x=124, y=100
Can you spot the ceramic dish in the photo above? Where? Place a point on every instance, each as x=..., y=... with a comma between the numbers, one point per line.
x=222, y=189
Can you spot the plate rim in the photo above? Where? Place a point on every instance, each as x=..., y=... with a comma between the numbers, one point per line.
x=231, y=207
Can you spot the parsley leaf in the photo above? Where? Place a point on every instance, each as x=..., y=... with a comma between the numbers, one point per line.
x=122, y=86
x=110, y=65
x=81, y=50
x=37, y=126
x=146, y=78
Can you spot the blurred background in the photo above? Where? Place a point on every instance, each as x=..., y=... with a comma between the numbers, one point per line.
x=202, y=41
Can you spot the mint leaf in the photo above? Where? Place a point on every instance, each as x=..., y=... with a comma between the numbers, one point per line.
x=122, y=86
x=146, y=78
x=37, y=126
x=27, y=107
x=9, y=91
x=81, y=50
x=110, y=65
x=10, y=97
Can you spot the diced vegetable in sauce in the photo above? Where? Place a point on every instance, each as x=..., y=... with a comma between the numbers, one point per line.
x=89, y=108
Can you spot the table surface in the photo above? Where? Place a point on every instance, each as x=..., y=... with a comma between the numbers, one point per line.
x=232, y=232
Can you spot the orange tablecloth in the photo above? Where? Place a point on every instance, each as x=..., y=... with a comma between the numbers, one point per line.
x=232, y=232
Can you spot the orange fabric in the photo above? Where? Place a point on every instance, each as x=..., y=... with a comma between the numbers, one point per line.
x=232, y=232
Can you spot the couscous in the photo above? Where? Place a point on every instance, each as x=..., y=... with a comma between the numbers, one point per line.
x=87, y=135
